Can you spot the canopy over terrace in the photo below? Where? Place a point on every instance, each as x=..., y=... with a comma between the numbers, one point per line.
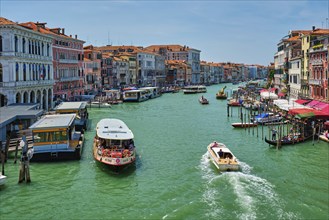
x=283, y=104
x=268, y=95
x=308, y=113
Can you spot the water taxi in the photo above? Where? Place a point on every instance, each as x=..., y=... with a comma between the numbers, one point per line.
x=113, y=143
x=194, y=89
x=266, y=118
x=78, y=108
x=222, y=157
x=151, y=92
x=55, y=138
x=136, y=95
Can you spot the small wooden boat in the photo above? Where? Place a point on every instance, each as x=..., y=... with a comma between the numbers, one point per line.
x=203, y=101
x=324, y=137
x=222, y=157
x=286, y=140
x=221, y=94
x=98, y=104
x=244, y=125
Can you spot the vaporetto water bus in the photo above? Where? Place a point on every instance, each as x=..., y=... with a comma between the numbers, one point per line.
x=136, y=95
x=113, y=143
x=55, y=138
x=152, y=92
x=80, y=109
x=194, y=89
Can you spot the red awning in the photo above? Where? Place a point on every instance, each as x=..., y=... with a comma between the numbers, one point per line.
x=322, y=106
x=281, y=94
x=272, y=89
x=312, y=103
x=263, y=90
x=302, y=101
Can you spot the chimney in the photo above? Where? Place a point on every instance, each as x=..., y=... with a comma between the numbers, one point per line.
x=76, y=36
x=63, y=31
x=70, y=35
x=313, y=28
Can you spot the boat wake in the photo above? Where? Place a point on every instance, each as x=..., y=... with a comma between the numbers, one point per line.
x=251, y=196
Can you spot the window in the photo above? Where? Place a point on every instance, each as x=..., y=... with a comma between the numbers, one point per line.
x=24, y=72
x=17, y=72
x=1, y=74
x=0, y=44
x=16, y=44
x=23, y=44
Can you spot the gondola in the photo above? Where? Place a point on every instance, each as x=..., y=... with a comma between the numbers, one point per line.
x=286, y=141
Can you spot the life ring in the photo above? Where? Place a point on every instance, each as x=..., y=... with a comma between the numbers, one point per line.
x=117, y=160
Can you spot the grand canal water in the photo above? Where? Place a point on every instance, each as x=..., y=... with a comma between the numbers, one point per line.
x=173, y=178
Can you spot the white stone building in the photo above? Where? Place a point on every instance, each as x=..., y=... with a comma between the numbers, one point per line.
x=26, y=68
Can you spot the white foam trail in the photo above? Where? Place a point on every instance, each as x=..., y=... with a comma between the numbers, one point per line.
x=250, y=191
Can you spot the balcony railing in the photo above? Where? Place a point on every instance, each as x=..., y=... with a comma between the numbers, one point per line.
x=67, y=79
x=316, y=82
x=316, y=62
x=27, y=83
x=68, y=61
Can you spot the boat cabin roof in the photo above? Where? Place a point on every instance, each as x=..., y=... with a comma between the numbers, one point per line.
x=54, y=121
x=71, y=106
x=134, y=91
x=115, y=129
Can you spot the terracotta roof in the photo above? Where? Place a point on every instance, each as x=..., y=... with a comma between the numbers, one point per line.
x=5, y=21
x=320, y=31
x=172, y=48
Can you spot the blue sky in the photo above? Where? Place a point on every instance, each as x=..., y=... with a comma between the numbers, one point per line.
x=225, y=31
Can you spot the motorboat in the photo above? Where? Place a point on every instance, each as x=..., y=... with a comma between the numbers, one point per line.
x=203, y=100
x=266, y=118
x=244, y=125
x=3, y=179
x=222, y=157
x=113, y=143
x=221, y=94
x=98, y=104
x=324, y=137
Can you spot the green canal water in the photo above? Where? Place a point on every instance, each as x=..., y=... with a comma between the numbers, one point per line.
x=173, y=177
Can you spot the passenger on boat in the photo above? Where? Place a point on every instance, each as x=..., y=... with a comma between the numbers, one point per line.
x=274, y=134
x=220, y=153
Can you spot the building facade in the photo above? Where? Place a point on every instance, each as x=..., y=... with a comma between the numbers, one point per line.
x=26, y=68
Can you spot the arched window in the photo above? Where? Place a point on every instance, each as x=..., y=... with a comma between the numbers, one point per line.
x=30, y=47
x=1, y=74
x=24, y=72
x=23, y=44
x=16, y=44
x=39, y=51
x=47, y=50
x=48, y=73
x=0, y=44
x=42, y=49
x=17, y=72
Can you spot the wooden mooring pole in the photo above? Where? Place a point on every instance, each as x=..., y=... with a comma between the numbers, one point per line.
x=24, y=172
x=2, y=155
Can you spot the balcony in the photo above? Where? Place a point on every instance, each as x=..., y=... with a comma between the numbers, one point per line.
x=304, y=82
x=315, y=82
x=316, y=62
x=68, y=61
x=27, y=83
x=68, y=79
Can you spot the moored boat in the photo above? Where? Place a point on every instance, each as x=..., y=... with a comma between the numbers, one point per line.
x=324, y=137
x=222, y=157
x=244, y=125
x=113, y=143
x=221, y=94
x=288, y=140
x=98, y=104
x=3, y=179
x=55, y=138
x=266, y=118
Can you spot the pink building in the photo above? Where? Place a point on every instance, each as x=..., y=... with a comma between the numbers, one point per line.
x=68, y=65
x=318, y=66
